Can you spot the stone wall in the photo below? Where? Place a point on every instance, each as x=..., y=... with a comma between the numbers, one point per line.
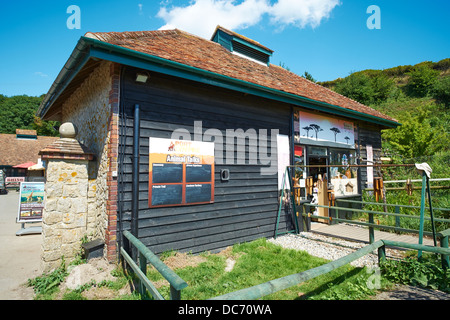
x=93, y=108
x=64, y=220
x=89, y=110
x=81, y=190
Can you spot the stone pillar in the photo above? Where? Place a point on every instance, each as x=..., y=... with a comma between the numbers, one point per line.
x=64, y=220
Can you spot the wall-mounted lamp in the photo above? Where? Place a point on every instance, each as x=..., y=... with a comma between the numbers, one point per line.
x=142, y=77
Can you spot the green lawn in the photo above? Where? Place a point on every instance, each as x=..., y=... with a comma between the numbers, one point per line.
x=260, y=261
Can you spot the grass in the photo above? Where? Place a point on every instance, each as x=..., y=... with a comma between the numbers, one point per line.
x=260, y=261
x=47, y=286
x=257, y=262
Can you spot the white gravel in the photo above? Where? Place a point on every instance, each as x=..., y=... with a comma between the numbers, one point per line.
x=330, y=248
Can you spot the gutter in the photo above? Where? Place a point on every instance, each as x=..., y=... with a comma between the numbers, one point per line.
x=88, y=47
x=73, y=65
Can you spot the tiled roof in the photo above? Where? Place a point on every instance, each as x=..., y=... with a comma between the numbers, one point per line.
x=67, y=146
x=15, y=151
x=182, y=47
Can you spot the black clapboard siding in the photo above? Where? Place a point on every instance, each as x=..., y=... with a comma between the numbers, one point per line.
x=244, y=208
x=154, y=227
x=201, y=244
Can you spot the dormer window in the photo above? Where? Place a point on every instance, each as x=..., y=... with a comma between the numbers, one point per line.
x=242, y=46
x=26, y=134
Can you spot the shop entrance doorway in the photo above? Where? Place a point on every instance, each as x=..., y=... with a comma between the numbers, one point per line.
x=314, y=172
x=317, y=156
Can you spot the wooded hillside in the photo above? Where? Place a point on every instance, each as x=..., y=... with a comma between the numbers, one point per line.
x=417, y=96
x=19, y=112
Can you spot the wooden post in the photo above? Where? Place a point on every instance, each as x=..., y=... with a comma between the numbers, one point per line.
x=381, y=254
x=422, y=212
x=431, y=210
x=322, y=185
x=371, y=229
x=445, y=259
x=397, y=218
x=143, y=267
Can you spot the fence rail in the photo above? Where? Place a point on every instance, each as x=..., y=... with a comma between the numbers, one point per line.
x=279, y=284
x=266, y=288
x=146, y=256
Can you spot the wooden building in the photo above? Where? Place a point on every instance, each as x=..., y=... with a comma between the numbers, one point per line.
x=258, y=117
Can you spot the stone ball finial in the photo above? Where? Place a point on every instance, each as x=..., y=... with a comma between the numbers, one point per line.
x=68, y=130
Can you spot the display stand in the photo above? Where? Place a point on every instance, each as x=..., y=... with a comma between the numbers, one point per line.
x=30, y=230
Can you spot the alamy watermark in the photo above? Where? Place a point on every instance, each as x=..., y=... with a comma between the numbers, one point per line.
x=374, y=280
x=235, y=142
x=74, y=20
x=374, y=21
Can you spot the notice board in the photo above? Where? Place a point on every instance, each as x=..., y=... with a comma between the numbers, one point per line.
x=180, y=172
x=31, y=201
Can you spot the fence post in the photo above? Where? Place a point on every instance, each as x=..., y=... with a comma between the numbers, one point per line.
x=444, y=257
x=143, y=267
x=382, y=253
x=307, y=217
x=397, y=218
x=371, y=229
x=422, y=212
x=174, y=293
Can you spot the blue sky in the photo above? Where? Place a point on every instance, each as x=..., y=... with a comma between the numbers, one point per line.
x=327, y=38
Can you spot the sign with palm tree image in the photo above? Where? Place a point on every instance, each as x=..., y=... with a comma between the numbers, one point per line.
x=316, y=127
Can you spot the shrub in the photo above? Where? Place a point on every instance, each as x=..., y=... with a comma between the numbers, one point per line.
x=421, y=80
x=356, y=86
x=441, y=91
x=416, y=137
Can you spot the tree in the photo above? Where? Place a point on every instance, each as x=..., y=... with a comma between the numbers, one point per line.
x=335, y=131
x=441, y=91
x=356, y=86
x=421, y=80
x=307, y=128
x=316, y=128
x=382, y=86
x=284, y=66
x=18, y=112
x=416, y=137
x=308, y=76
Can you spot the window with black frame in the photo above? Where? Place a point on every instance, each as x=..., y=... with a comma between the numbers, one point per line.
x=343, y=178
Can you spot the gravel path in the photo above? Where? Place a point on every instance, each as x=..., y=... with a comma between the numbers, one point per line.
x=330, y=248
x=333, y=248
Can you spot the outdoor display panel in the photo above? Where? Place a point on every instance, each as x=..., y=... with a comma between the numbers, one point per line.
x=180, y=172
x=317, y=129
x=31, y=201
x=329, y=138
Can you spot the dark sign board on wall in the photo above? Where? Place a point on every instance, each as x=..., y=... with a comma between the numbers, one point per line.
x=180, y=172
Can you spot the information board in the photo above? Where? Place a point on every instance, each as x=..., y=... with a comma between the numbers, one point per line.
x=180, y=172
x=31, y=201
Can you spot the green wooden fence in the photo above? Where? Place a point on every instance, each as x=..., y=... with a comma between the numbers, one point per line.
x=146, y=256
x=266, y=288
x=279, y=284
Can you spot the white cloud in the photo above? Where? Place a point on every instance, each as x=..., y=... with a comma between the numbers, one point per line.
x=202, y=16
x=41, y=74
x=301, y=13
